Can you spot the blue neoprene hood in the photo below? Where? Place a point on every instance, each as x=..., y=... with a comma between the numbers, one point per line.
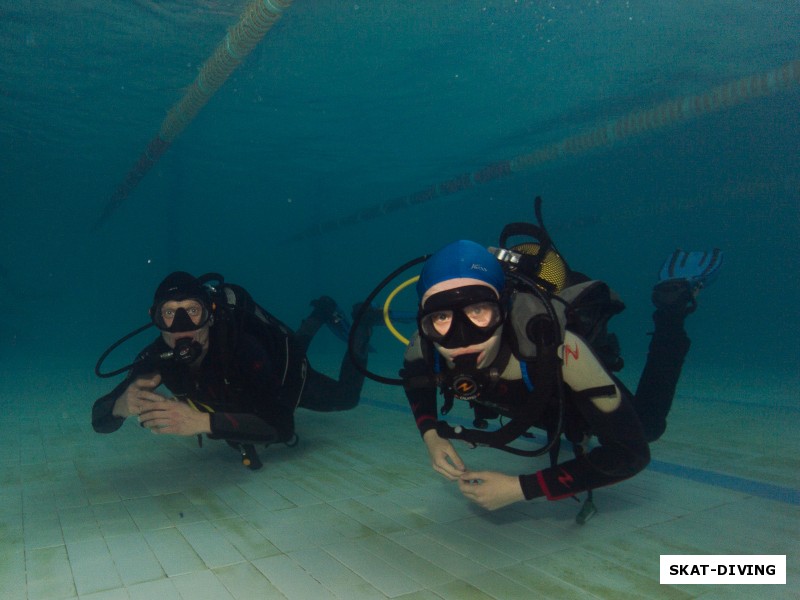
x=461, y=259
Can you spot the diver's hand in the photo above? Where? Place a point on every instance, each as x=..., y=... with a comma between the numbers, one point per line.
x=444, y=458
x=489, y=489
x=176, y=418
x=138, y=396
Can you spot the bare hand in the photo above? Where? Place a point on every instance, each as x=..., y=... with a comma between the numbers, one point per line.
x=489, y=489
x=176, y=418
x=138, y=396
x=444, y=458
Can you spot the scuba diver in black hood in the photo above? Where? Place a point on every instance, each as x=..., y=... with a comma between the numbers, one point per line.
x=539, y=356
x=236, y=373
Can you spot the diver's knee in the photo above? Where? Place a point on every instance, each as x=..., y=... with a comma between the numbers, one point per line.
x=349, y=401
x=642, y=457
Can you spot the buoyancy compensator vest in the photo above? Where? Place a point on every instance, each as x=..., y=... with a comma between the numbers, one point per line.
x=557, y=327
x=235, y=314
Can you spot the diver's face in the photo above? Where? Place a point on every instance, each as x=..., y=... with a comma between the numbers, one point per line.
x=474, y=319
x=196, y=313
x=169, y=310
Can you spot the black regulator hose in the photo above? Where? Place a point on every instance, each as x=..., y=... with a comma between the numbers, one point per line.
x=113, y=347
x=481, y=437
x=501, y=438
x=558, y=341
x=359, y=316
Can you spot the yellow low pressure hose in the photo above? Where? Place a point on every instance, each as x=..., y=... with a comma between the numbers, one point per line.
x=386, y=305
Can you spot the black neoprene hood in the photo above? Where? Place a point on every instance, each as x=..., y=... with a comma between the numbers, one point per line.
x=180, y=285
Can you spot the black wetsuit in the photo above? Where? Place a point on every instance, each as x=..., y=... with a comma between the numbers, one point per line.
x=623, y=433
x=250, y=394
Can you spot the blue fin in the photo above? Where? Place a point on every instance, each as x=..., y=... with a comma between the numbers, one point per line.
x=339, y=324
x=698, y=268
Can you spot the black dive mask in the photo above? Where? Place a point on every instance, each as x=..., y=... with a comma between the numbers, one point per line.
x=181, y=319
x=461, y=317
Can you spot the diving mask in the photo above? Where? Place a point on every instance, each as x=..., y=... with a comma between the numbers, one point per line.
x=176, y=316
x=461, y=317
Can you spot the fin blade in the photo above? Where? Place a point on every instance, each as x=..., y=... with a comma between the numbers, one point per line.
x=699, y=268
x=339, y=324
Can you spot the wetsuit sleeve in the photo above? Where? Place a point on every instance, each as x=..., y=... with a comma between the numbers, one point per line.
x=423, y=407
x=103, y=419
x=421, y=395
x=622, y=453
x=265, y=413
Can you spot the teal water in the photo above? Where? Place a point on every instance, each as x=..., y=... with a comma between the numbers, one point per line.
x=344, y=109
x=346, y=105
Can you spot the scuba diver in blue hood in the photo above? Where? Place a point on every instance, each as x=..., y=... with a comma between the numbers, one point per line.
x=235, y=372
x=534, y=352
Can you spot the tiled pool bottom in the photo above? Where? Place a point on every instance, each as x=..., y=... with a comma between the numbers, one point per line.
x=355, y=511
